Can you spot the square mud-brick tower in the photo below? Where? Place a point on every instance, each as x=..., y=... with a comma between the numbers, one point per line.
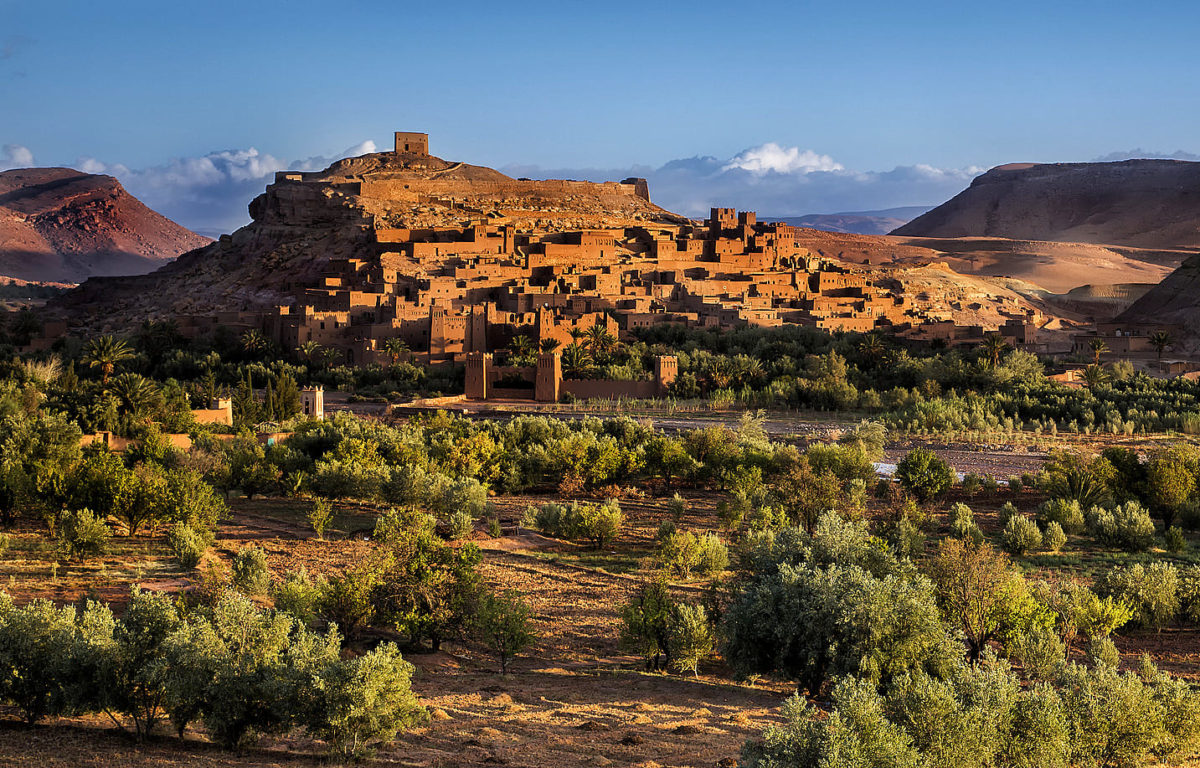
x=412, y=143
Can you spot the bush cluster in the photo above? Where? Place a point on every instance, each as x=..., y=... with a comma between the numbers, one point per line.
x=240, y=670
x=599, y=524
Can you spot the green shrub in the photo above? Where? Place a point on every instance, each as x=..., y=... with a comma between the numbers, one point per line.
x=1040, y=651
x=1040, y=735
x=601, y=524
x=1007, y=512
x=972, y=484
x=812, y=607
x=1097, y=616
x=1189, y=593
x=644, y=617
x=1174, y=540
x=37, y=642
x=1126, y=525
x=856, y=733
x=461, y=524
x=1114, y=719
x=1053, y=537
x=683, y=552
x=598, y=524
x=676, y=507
x=364, y=701
x=502, y=623
x=960, y=515
x=320, y=515
x=189, y=544
x=906, y=538
x=445, y=497
x=493, y=527
x=665, y=529
x=1151, y=591
x=1066, y=512
x=923, y=474
x=299, y=596
x=82, y=535
x=690, y=637
x=250, y=574
x=962, y=524
x=1021, y=536
x=1015, y=484
x=1102, y=651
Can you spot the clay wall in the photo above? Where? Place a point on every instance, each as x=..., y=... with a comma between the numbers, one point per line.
x=410, y=189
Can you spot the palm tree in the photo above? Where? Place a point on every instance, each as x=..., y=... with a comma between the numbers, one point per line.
x=395, y=348
x=548, y=345
x=599, y=340
x=135, y=393
x=994, y=345
x=746, y=369
x=1161, y=340
x=1095, y=376
x=578, y=336
x=309, y=351
x=106, y=353
x=1098, y=347
x=576, y=361
x=522, y=348
x=871, y=346
x=159, y=336
x=253, y=341
x=720, y=373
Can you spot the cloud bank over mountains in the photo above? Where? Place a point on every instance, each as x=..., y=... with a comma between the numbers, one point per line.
x=778, y=181
x=209, y=194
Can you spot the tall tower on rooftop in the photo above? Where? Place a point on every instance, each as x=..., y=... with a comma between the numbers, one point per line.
x=412, y=143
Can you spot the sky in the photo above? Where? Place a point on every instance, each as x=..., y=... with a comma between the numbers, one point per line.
x=788, y=107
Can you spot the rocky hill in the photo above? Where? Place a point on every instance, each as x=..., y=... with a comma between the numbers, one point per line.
x=58, y=224
x=1174, y=300
x=305, y=219
x=1150, y=204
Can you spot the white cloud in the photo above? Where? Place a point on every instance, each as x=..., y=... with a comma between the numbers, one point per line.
x=209, y=194
x=15, y=156
x=778, y=181
x=772, y=158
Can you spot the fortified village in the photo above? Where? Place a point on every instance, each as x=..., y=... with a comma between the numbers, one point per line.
x=457, y=293
x=457, y=260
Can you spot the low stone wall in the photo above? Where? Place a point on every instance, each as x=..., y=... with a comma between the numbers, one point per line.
x=586, y=389
x=511, y=393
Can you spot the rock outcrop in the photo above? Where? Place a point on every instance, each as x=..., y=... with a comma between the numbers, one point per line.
x=58, y=224
x=1150, y=204
x=1175, y=300
x=306, y=219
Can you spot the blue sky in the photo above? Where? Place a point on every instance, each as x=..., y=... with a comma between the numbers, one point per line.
x=871, y=86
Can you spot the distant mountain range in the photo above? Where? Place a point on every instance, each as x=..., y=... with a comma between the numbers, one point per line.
x=62, y=225
x=856, y=222
x=1139, y=203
